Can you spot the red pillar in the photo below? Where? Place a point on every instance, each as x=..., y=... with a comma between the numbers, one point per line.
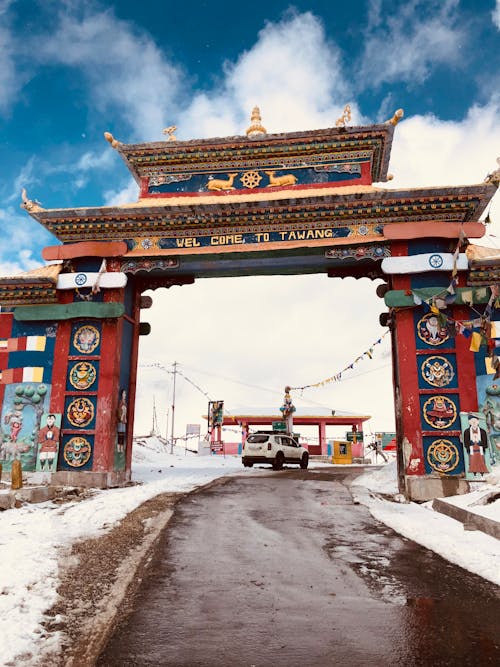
x=134, y=356
x=322, y=437
x=108, y=391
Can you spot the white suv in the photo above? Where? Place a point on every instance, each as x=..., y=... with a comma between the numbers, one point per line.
x=273, y=447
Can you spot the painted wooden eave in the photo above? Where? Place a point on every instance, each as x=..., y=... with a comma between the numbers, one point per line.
x=43, y=275
x=382, y=133
x=67, y=311
x=352, y=196
x=402, y=231
x=482, y=256
x=85, y=249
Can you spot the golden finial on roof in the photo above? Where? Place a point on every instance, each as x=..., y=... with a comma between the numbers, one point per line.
x=109, y=137
x=345, y=118
x=30, y=205
x=494, y=177
x=256, y=124
x=170, y=131
x=396, y=118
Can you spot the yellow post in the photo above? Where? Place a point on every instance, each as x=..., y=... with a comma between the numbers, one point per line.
x=16, y=475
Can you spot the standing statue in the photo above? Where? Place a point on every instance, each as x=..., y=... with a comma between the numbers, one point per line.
x=288, y=409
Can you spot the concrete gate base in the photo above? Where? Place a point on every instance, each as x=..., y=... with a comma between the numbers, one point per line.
x=426, y=488
x=96, y=480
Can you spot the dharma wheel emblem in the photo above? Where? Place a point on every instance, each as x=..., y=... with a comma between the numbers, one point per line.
x=80, y=279
x=436, y=261
x=251, y=179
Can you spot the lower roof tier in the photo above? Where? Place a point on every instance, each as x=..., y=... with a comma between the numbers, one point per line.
x=359, y=213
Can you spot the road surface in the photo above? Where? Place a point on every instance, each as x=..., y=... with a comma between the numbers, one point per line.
x=285, y=570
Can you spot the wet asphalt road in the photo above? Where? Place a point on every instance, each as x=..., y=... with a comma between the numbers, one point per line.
x=284, y=570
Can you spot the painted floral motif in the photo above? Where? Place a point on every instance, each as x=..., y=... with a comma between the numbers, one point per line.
x=443, y=456
x=77, y=451
x=82, y=375
x=430, y=331
x=86, y=339
x=440, y=412
x=80, y=412
x=437, y=371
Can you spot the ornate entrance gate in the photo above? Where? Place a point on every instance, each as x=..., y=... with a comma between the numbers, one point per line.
x=248, y=205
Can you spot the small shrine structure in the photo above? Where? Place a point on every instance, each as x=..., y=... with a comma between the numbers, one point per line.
x=256, y=204
x=319, y=418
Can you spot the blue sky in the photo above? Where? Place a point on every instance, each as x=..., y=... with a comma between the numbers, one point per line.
x=70, y=70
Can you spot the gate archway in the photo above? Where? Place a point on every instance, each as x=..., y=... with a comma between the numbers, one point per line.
x=260, y=204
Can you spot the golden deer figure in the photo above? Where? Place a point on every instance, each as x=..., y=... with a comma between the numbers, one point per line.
x=287, y=179
x=216, y=184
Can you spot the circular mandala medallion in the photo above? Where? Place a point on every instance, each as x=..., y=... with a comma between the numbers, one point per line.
x=430, y=331
x=77, y=451
x=437, y=371
x=440, y=412
x=86, y=339
x=443, y=456
x=82, y=375
x=80, y=412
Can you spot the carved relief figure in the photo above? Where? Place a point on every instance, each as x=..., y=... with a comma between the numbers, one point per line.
x=287, y=179
x=475, y=441
x=122, y=421
x=430, y=331
x=216, y=184
x=48, y=443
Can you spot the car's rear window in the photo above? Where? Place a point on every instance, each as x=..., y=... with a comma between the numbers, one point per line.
x=257, y=437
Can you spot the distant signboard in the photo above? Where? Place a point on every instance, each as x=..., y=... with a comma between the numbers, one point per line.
x=279, y=426
x=349, y=436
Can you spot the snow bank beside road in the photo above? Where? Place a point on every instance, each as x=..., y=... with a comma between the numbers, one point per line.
x=472, y=550
x=33, y=538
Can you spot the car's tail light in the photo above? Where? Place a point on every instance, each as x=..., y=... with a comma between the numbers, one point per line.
x=269, y=446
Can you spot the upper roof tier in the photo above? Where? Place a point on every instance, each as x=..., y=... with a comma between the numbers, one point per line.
x=338, y=156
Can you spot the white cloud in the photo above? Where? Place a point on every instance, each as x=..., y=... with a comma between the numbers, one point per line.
x=125, y=193
x=24, y=179
x=428, y=151
x=124, y=67
x=414, y=36
x=292, y=73
x=495, y=15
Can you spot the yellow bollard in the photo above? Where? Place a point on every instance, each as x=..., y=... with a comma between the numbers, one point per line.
x=16, y=475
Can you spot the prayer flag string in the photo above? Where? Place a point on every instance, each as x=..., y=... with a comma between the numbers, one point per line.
x=338, y=376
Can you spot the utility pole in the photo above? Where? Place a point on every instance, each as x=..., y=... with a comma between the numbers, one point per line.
x=173, y=411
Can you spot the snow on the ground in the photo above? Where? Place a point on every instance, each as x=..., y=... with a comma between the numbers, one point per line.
x=473, y=550
x=33, y=537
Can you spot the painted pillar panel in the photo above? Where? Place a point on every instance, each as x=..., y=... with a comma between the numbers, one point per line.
x=408, y=384
x=108, y=391
x=406, y=373
x=61, y=353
